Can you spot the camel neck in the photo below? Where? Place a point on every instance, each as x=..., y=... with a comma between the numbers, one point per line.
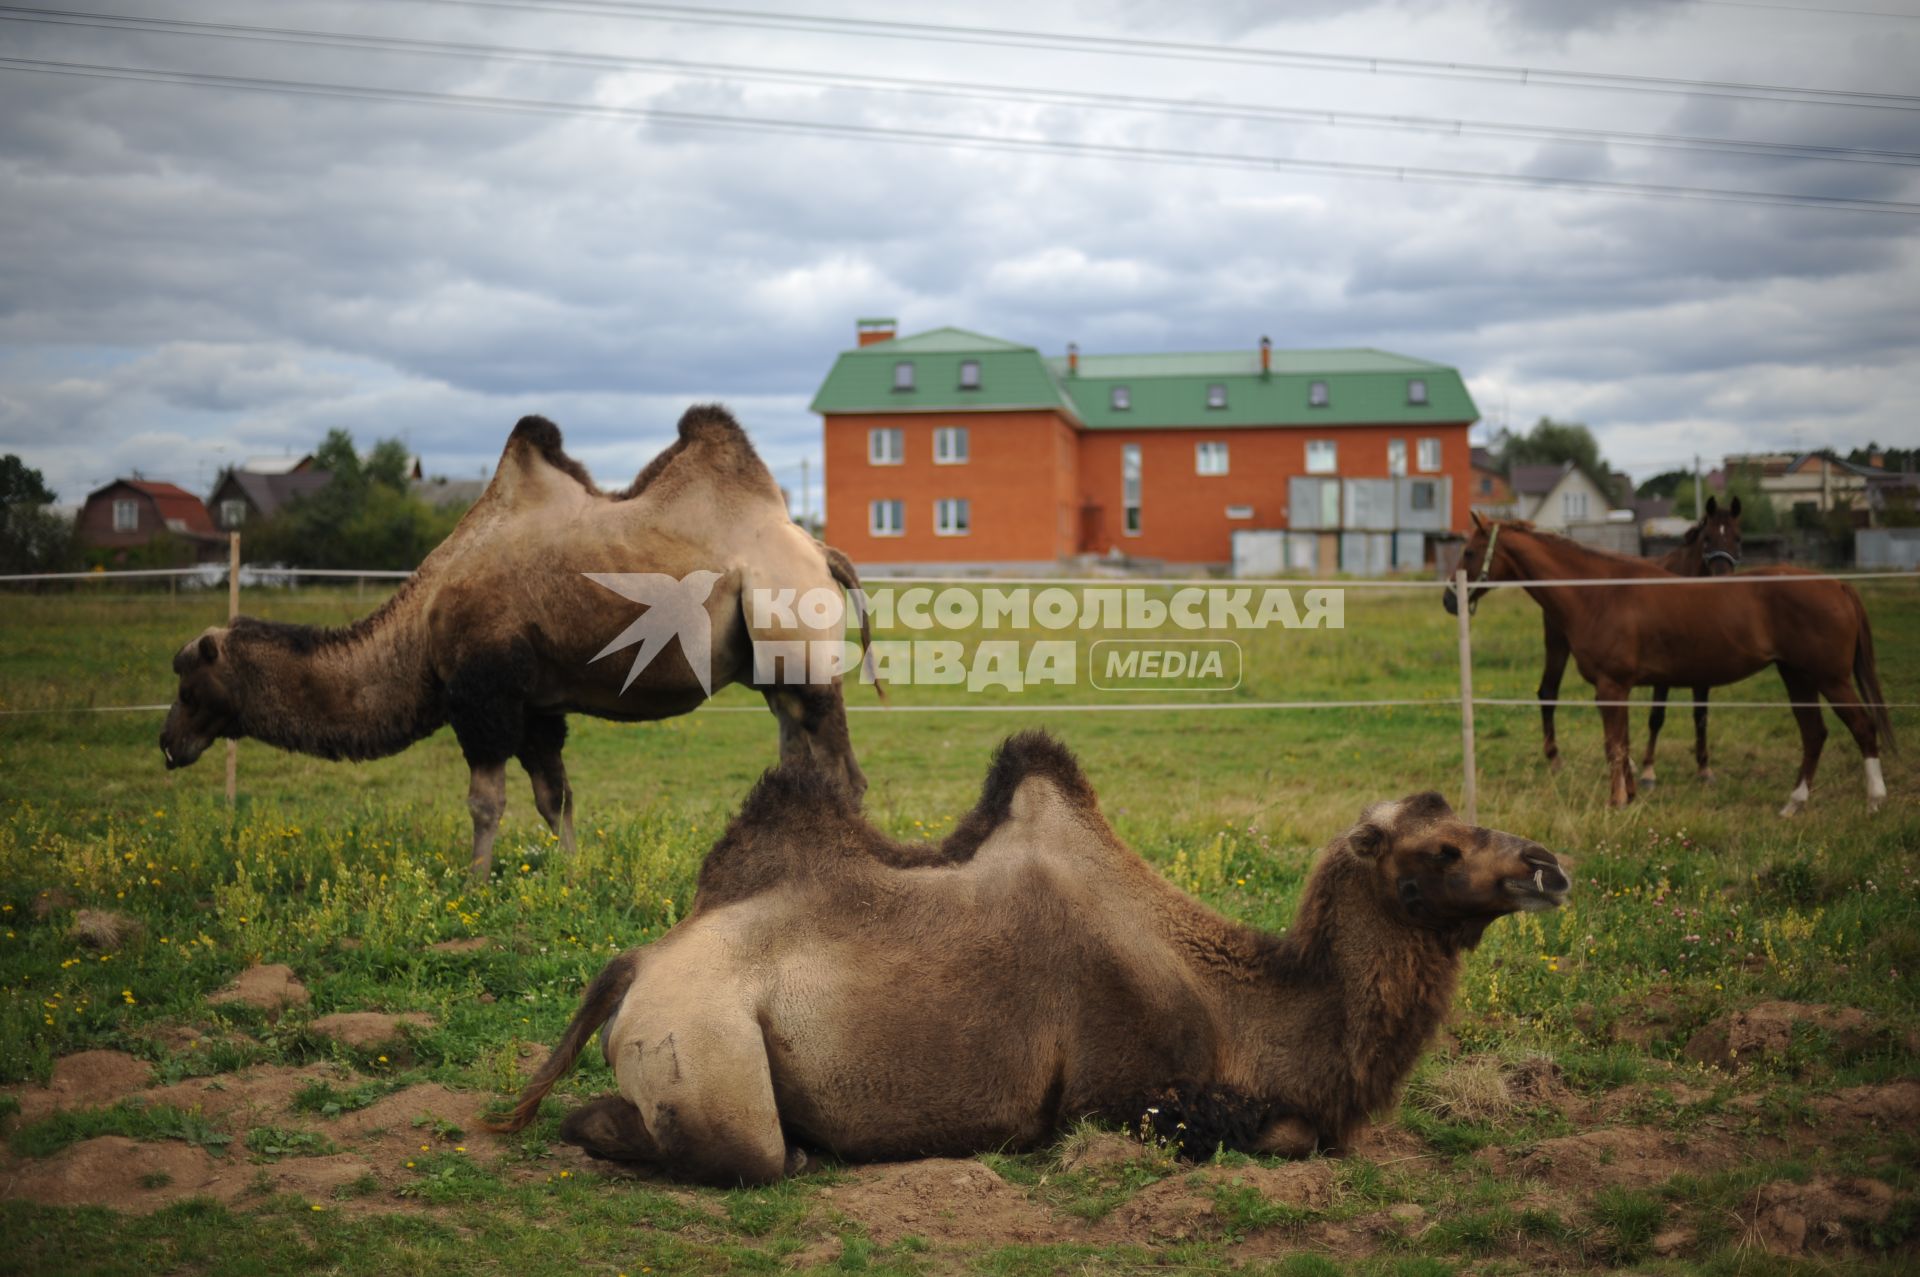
x=363, y=691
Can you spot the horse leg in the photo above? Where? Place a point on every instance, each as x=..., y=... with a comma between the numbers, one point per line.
x=1813, y=736
x=1614, y=723
x=540, y=756
x=1700, y=733
x=1549, y=690
x=1656, y=718
x=813, y=729
x=1846, y=703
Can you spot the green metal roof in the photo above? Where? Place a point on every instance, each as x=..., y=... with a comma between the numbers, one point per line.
x=1365, y=387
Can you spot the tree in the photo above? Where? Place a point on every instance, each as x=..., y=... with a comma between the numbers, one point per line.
x=366, y=517
x=33, y=538
x=389, y=463
x=1553, y=443
x=1666, y=484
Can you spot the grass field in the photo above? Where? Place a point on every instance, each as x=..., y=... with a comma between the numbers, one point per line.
x=1562, y=1125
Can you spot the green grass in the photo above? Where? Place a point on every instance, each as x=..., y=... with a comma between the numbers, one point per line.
x=1691, y=904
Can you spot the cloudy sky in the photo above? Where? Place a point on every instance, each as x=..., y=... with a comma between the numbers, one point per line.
x=192, y=274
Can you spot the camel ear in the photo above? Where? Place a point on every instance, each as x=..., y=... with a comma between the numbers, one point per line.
x=1734, y=508
x=208, y=650
x=1369, y=840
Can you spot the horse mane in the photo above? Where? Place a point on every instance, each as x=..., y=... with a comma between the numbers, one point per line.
x=1555, y=538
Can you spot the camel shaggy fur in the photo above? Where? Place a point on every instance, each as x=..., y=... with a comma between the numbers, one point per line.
x=502, y=630
x=835, y=990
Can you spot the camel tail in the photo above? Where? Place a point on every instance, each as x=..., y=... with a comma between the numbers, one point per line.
x=842, y=568
x=1866, y=677
x=596, y=1008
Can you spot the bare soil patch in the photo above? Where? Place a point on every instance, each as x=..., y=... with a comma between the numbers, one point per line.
x=1765, y=1031
x=82, y=1081
x=944, y=1200
x=365, y=1029
x=1626, y=1156
x=1789, y=1218
x=272, y=987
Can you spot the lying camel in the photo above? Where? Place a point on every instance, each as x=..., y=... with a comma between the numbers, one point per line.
x=502, y=630
x=834, y=990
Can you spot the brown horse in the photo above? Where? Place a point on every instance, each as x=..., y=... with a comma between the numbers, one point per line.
x=1694, y=634
x=1711, y=548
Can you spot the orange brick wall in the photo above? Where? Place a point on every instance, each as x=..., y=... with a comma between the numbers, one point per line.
x=1019, y=478
x=1029, y=475
x=1183, y=514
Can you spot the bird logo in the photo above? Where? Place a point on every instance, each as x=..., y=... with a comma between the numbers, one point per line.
x=674, y=609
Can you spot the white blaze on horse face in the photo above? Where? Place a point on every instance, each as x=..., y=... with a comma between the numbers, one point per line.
x=1796, y=800
x=1876, y=784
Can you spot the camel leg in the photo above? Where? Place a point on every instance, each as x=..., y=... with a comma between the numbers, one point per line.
x=1288, y=1137
x=1700, y=733
x=813, y=728
x=1656, y=719
x=487, y=800
x=540, y=756
x=1813, y=736
x=1614, y=723
x=704, y=1090
x=1846, y=704
x=610, y=1128
x=1549, y=690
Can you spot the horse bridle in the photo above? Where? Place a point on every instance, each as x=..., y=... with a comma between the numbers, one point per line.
x=1486, y=566
x=1733, y=560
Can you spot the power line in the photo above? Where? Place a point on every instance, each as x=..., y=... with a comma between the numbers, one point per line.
x=950, y=139
x=952, y=89
x=999, y=37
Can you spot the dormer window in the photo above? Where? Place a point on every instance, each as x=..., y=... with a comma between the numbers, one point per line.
x=903, y=375
x=1317, y=394
x=1122, y=398
x=1216, y=394
x=1417, y=391
x=969, y=374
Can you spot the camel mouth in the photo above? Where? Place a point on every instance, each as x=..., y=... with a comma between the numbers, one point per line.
x=1548, y=888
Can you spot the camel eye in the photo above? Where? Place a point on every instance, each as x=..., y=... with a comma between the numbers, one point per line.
x=1448, y=853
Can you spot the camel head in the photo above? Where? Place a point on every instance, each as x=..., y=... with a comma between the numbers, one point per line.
x=203, y=707
x=1719, y=535
x=1440, y=873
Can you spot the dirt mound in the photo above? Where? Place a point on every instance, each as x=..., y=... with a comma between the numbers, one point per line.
x=124, y=1174
x=1187, y=1206
x=1789, y=1218
x=1099, y=1151
x=392, y=1129
x=1894, y=1106
x=1628, y=1156
x=369, y=1028
x=943, y=1200
x=263, y=1093
x=272, y=987
x=468, y=945
x=84, y=1080
x=1765, y=1031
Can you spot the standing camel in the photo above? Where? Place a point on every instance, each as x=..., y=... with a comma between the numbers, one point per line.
x=1690, y=634
x=503, y=629
x=835, y=991
x=1711, y=548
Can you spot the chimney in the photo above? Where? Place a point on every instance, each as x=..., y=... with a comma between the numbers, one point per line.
x=1266, y=356
x=1878, y=460
x=873, y=330
x=1073, y=359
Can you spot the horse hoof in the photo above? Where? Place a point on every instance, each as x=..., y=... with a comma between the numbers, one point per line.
x=1553, y=762
x=1647, y=781
x=1706, y=776
x=1792, y=808
x=1873, y=805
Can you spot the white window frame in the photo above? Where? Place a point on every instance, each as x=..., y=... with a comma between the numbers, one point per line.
x=1396, y=457
x=1239, y=512
x=969, y=374
x=1318, y=395
x=895, y=455
x=1417, y=391
x=1329, y=456
x=1132, y=485
x=944, y=451
x=876, y=526
x=945, y=522
x=1573, y=505
x=1210, y=457
x=1430, y=456
x=903, y=375
x=1120, y=398
x=1216, y=395
x=126, y=515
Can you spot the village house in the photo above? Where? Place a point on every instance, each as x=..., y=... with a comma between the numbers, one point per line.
x=1557, y=497
x=128, y=514
x=950, y=448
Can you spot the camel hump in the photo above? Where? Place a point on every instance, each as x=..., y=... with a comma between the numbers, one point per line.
x=535, y=436
x=1033, y=755
x=710, y=423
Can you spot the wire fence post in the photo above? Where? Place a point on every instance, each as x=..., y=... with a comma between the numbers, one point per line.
x=233, y=610
x=1470, y=783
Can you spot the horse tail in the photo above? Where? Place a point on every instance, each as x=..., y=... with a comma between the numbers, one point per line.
x=849, y=580
x=596, y=1008
x=1866, y=675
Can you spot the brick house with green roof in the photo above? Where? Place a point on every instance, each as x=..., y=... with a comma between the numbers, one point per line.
x=951, y=448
